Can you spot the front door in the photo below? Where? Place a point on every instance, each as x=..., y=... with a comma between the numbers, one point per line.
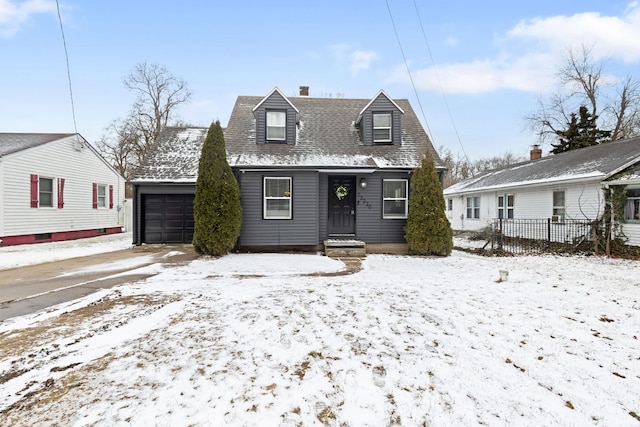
x=342, y=210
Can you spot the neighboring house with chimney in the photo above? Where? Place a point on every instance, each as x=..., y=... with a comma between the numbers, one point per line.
x=56, y=187
x=309, y=169
x=568, y=185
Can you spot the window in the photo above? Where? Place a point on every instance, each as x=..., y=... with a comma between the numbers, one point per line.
x=505, y=206
x=382, y=127
x=276, y=125
x=45, y=192
x=277, y=198
x=632, y=207
x=102, y=196
x=558, y=206
x=473, y=207
x=450, y=204
x=394, y=198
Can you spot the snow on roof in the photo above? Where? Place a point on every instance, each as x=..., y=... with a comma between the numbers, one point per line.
x=591, y=163
x=174, y=156
x=327, y=137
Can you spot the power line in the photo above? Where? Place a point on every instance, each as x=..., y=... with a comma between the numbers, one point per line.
x=66, y=54
x=435, y=68
x=409, y=71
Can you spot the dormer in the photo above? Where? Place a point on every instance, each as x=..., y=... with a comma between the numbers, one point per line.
x=276, y=119
x=380, y=121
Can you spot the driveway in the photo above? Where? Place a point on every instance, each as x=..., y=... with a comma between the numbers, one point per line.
x=32, y=288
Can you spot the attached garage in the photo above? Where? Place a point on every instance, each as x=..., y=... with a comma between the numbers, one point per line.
x=167, y=218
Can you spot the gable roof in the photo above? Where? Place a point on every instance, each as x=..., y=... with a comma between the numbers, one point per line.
x=174, y=156
x=327, y=137
x=14, y=142
x=594, y=163
x=275, y=90
x=383, y=93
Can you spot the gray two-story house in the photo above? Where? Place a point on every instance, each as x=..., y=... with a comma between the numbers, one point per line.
x=309, y=169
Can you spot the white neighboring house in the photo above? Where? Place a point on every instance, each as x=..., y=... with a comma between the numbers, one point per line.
x=568, y=185
x=56, y=187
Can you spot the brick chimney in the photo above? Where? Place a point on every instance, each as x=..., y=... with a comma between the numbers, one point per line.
x=304, y=90
x=536, y=152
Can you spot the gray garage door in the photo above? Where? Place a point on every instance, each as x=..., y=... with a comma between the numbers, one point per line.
x=168, y=218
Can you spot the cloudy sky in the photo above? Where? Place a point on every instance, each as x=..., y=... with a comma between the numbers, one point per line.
x=478, y=67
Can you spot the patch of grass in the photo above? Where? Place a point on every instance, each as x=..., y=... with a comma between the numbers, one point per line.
x=326, y=415
x=302, y=369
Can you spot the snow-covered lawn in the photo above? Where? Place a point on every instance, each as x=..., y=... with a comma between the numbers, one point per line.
x=259, y=340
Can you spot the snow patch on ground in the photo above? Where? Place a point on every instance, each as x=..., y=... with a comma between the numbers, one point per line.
x=253, y=339
x=21, y=255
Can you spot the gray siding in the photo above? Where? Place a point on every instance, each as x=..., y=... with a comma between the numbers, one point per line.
x=278, y=103
x=370, y=226
x=302, y=229
x=381, y=105
x=139, y=190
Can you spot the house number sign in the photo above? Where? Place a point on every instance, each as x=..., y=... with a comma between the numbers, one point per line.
x=341, y=192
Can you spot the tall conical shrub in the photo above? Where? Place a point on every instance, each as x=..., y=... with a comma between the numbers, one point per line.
x=216, y=208
x=428, y=231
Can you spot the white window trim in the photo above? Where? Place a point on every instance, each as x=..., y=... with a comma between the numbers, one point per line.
x=53, y=193
x=284, y=138
x=506, y=208
x=394, y=199
x=560, y=218
x=265, y=197
x=474, y=208
x=631, y=220
x=106, y=196
x=390, y=127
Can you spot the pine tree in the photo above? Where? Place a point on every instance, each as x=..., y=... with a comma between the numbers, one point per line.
x=216, y=208
x=428, y=231
x=580, y=133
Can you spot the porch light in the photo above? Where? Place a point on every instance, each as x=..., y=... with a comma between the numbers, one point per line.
x=363, y=183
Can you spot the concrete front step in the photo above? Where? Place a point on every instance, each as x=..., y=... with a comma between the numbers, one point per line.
x=344, y=248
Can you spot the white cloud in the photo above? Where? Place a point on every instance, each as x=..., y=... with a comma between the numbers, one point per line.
x=13, y=14
x=356, y=59
x=451, y=41
x=531, y=52
x=361, y=60
x=610, y=36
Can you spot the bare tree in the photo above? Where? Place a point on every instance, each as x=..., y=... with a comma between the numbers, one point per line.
x=460, y=168
x=582, y=81
x=127, y=141
x=625, y=110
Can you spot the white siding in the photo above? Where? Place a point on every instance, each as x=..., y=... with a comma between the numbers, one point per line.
x=79, y=168
x=632, y=231
x=582, y=201
x=2, y=180
x=458, y=216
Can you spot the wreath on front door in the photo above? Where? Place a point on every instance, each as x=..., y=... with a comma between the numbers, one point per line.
x=341, y=192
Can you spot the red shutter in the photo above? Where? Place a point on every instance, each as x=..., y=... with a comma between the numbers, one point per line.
x=60, y=193
x=95, y=196
x=34, y=191
x=111, y=197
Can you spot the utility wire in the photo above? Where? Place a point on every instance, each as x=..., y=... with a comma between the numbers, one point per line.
x=435, y=68
x=66, y=54
x=409, y=71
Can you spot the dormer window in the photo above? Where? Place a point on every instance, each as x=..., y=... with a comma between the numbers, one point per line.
x=382, y=128
x=276, y=125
